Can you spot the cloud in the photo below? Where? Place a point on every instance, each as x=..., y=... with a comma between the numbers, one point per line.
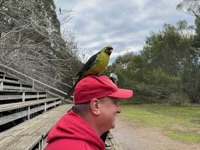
x=123, y=24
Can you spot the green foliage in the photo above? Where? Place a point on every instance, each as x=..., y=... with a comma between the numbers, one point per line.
x=178, y=99
x=166, y=68
x=167, y=50
x=149, y=84
x=191, y=70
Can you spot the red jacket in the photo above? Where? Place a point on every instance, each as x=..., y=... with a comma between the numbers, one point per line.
x=72, y=133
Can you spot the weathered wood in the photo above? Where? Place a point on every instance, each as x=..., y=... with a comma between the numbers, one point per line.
x=28, y=134
x=13, y=97
x=35, y=139
x=27, y=113
x=21, y=142
x=7, y=107
x=21, y=95
x=10, y=97
x=9, y=134
x=10, y=87
x=12, y=117
x=53, y=104
x=13, y=85
x=28, y=124
x=8, y=81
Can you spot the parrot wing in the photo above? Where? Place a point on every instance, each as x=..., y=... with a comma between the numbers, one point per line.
x=88, y=65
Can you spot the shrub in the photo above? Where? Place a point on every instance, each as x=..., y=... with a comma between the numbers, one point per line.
x=178, y=99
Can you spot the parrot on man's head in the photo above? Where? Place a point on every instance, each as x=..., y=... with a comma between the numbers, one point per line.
x=94, y=66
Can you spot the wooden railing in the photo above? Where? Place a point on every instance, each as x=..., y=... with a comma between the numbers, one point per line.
x=37, y=83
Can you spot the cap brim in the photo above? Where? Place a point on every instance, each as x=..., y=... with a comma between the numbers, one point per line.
x=122, y=93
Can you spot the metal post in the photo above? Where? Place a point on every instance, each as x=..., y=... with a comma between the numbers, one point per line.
x=74, y=81
x=33, y=85
x=20, y=87
x=1, y=86
x=45, y=107
x=23, y=97
x=29, y=112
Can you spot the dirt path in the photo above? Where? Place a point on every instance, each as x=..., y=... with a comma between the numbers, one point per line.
x=132, y=136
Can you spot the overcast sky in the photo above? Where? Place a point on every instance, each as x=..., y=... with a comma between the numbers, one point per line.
x=123, y=24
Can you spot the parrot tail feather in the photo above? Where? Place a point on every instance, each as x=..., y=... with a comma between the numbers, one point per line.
x=70, y=93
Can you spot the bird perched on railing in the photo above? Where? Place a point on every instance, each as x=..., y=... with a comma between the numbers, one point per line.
x=94, y=66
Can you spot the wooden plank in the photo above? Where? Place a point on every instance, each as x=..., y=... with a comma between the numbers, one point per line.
x=28, y=124
x=13, y=97
x=13, y=132
x=7, y=107
x=12, y=117
x=24, y=136
x=27, y=142
x=8, y=81
x=53, y=104
x=10, y=87
x=29, y=130
x=21, y=114
x=50, y=122
x=10, y=97
x=34, y=96
x=21, y=142
x=26, y=88
x=33, y=135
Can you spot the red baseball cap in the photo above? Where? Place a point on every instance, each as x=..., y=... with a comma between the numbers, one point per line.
x=101, y=86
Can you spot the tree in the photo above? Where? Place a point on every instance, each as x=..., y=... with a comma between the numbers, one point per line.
x=190, y=7
x=168, y=49
x=158, y=72
x=191, y=71
x=31, y=41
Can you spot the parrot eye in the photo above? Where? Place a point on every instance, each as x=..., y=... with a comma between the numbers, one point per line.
x=108, y=51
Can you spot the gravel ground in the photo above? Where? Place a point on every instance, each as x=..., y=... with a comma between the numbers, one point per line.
x=133, y=136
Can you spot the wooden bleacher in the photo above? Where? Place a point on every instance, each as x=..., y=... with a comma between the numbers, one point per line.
x=6, y=96
x=32, y=133
x=26, y=115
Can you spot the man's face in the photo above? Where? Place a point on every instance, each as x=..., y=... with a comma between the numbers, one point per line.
x=109, y=108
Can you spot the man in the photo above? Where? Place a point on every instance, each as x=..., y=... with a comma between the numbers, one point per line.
x=114, y=78
x=94, y=112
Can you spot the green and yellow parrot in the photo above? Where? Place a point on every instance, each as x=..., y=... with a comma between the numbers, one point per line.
x=94, y=66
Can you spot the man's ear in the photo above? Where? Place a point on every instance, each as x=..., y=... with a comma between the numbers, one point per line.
x=95, y=106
